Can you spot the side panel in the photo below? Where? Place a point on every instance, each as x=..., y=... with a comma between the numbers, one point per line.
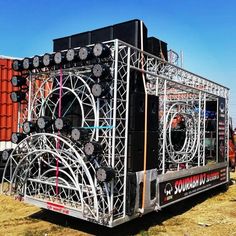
x=117, y=31
x=182, y=186
x=221, y=130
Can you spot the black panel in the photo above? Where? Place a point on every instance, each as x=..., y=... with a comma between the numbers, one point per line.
x=131, y=193
x=80, y=40
x=101, y=35
x=157, y=48
x=176, y=189
x=136, y=138
x=136, y=150
x=61, y=44
x=136, y=82
x=130, y=32
x=210, y=130
x=221, y=130
x=137, y=112
x=211, y=106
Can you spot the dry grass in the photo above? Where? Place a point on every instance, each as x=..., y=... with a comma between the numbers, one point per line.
x=212, y=216
x=17, y=218
x=211, y=213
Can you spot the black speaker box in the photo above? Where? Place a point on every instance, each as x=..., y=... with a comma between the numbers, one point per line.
x=129, y=32
x=101, y=35
x=137, y=112
x=61, y=44
x=136, y=151
x=136, y=82
x=211, y=106
x=156, y=46
x=80, y=40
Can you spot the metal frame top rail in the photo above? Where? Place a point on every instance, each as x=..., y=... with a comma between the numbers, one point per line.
x=166, y=70
x=162, y=69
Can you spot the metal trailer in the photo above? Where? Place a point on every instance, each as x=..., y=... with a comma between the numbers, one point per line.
x=50, y=170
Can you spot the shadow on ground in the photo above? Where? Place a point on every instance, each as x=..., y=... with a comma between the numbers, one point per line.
x=130, y=228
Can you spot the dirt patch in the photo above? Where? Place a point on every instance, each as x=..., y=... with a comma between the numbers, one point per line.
x=210, y=213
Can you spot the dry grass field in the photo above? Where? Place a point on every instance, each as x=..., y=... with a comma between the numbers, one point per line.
x=211, y=213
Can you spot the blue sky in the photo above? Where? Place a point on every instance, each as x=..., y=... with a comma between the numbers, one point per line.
x=204, y=29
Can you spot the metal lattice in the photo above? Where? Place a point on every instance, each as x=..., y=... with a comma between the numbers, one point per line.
x=31, y=167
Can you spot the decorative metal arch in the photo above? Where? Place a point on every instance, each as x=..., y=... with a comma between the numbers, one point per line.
x=73, y=84
x=30, y=171
x=191, y=142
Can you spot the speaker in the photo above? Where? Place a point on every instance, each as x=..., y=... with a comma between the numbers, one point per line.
x=136, y=150
x=211, y=106
x=131, y=187
x=137, y=112
x=61, y=44
x=101, y=35
x=80, y=40
x=136, y=81
x=157, y=47
x=128, y=32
